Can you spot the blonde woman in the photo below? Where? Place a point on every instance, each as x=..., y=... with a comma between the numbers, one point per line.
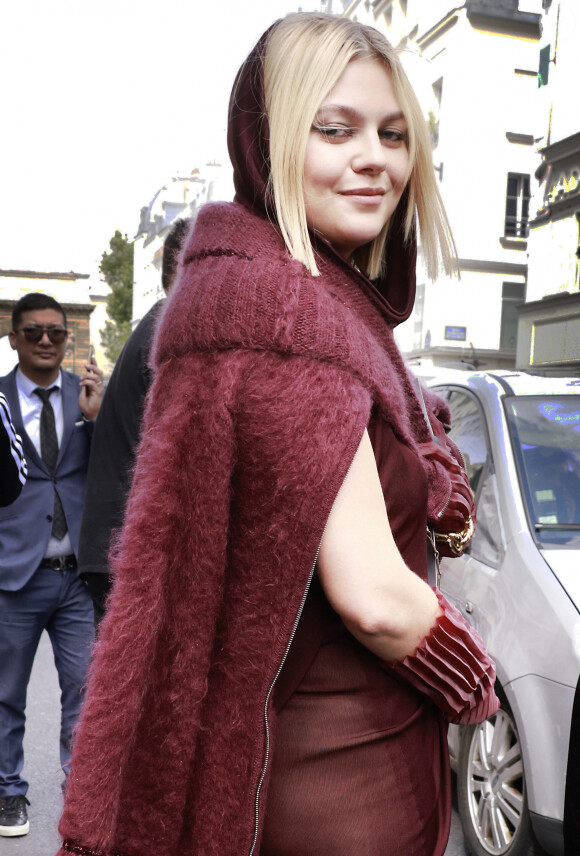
x=274, y=673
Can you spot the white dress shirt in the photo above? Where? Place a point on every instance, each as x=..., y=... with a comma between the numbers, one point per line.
x=31, y=408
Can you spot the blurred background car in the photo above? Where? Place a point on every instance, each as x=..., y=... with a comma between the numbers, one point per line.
x=519, y=585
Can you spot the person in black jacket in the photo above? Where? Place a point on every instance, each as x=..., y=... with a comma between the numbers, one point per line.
x=116, y=437
x=12, y=462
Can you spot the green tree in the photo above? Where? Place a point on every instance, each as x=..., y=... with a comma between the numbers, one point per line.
x=117, y=269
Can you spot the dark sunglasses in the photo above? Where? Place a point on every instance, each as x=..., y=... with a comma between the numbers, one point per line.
x=56, y=335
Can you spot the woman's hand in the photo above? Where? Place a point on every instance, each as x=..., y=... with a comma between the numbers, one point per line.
x=387, y=607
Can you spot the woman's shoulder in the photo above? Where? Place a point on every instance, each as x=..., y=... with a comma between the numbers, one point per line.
x=238, y=286
x=230, y=229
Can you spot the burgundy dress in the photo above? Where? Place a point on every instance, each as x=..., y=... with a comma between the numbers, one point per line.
x=360, y=765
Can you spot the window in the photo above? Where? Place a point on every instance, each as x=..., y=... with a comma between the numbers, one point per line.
x=512, y=295
x=468, y=432
x=517, y=205
x=544, y=66
x=546, y=441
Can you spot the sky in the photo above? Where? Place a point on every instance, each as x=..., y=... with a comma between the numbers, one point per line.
x=102, y=102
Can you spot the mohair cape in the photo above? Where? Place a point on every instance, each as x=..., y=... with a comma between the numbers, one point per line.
x=265, y=379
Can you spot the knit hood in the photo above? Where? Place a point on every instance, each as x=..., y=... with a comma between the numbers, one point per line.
x=249, y=148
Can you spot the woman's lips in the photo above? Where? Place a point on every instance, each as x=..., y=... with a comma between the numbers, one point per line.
x=365, y=191
x=370, y=197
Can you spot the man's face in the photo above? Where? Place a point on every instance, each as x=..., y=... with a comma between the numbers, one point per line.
x=43, y=358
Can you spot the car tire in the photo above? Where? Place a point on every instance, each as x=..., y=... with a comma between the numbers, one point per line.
x=491, y=790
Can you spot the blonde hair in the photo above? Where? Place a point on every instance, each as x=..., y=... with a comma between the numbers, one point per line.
x=305, y=56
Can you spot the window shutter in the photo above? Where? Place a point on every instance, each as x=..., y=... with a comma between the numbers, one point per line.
x=544, y=66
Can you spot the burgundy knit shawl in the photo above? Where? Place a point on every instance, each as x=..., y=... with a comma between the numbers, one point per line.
x=265, y=378
x=249, y=293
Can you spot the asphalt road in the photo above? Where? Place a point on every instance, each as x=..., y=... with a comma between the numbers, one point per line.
x=42, y=768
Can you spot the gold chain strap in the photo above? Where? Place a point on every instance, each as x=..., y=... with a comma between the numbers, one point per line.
x=457, y=541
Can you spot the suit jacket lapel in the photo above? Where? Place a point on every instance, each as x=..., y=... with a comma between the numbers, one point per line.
x=70, y=410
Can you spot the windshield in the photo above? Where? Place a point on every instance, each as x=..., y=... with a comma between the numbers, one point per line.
x=545, y=432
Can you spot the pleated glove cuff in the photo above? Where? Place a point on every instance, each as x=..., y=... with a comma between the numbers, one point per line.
x=453, y=668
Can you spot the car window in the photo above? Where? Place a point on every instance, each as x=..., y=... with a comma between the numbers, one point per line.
x=546, y=436
x=488, y=544
x=468, y=432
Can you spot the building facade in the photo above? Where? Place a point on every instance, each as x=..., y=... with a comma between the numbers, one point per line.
x=180, y=197
x=474, y=67
x=549, y=322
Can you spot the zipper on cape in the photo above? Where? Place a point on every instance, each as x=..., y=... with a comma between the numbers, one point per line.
x=273, y=684
x=269, y=693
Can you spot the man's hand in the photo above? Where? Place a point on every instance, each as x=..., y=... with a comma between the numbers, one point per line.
x=91, y=390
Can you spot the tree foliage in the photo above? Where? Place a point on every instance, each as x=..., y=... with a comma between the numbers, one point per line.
x=113, y=337
x=117, y=269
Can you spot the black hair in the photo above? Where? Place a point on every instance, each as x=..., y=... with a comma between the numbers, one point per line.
x=171, y=249
x=32, y=301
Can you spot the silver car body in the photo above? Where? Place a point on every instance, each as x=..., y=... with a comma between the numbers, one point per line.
x=522, y=595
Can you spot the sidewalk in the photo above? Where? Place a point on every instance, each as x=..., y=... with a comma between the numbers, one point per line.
x=41, y=761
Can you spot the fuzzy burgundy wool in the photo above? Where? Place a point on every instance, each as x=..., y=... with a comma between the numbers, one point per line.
x=265, y=378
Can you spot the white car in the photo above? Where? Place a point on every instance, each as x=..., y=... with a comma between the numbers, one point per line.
x=519, y=585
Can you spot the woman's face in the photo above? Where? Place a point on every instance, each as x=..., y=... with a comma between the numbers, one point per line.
x=356, y=158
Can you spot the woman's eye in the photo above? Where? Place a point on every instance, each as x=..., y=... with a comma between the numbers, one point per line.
x=393, y=137
x=334, y=133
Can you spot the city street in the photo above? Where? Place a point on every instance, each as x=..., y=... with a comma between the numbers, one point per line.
x=41, y=765
x=253, y=227
x=43, y=772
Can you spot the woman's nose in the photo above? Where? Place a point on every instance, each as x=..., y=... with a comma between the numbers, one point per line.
x=372, y=155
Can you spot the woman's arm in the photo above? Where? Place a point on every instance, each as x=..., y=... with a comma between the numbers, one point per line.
x=386, y=606
x=418, y=634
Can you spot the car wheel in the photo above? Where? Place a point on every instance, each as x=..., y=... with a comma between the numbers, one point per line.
x=491, y=789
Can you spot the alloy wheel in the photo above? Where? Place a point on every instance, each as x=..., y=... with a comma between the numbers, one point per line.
x=495, y=792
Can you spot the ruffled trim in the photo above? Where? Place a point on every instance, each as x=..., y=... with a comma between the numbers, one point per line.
x=450, y=513
x=453, y=668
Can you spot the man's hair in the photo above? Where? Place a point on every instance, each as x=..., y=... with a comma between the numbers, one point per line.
x=305, y=56
x=171, y=250
x=35, y=300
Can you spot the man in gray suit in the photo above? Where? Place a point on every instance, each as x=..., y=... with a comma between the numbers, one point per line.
x=53, y=411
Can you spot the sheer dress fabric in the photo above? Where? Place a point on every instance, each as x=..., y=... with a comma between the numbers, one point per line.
x=360, y=765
